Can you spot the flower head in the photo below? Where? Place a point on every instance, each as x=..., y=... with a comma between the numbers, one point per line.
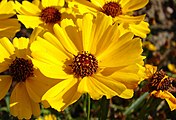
x=120, y=10
x=22, y=78
x=8, y=26
x=44, y=12
x=89, y=57
x=160, y=85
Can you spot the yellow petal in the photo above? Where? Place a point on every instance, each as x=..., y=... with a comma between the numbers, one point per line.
x=109, y=86
x=107, y=38
x=20, y=103
x=150, y=70
x=96, y=31
x=38, y=85
x=7, y=9
x=21, y=46
x=134, y=5
x=51, y=70
x=98, y=3
x=6, y=50
x=62, y=94
x=64, y=39
x=124, y=50
x=128, y=75
x=87, y=31
x=127, y=94
x=42, y=46
x=30, y=21
x=101, y=85
x=27, y=8
x=130, y=19
x=5, y=82
x=9, y=27
x=73, y=33
x=49, y=3
x=35, y=33
x=54, y=41
x=171, y=100
x=140, y=29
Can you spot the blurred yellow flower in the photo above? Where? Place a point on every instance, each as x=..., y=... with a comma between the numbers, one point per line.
x=120, y=10
x=91, y=59
x=8, y=26
x=44, y=12
x=160, y=85
x=149, y=46
x=47, y=117
x=171, y=67
x=22, y=78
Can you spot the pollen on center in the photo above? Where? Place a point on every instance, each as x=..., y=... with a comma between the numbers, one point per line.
x=112, y=9
x=21, y=69
x=50, y=15
x=84, y=64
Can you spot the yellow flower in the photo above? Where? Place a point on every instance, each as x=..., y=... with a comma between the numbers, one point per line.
x=8, y=26
x=44, y=12
x=47, y=117
x=149, y=45
x=119, y=10
x=160, y=85
x=22, y=78
x=91, y=59
x=171, y=67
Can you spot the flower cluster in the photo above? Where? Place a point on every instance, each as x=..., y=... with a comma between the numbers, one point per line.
x=76, y=47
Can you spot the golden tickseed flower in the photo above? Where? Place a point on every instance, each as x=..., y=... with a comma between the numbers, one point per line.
x=161, y=86
x=91, y=59
x=120, y=10
x=8, y=26
x=44, y=12
x=22, y=78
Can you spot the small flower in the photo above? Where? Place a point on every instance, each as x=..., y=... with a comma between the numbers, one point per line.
x=161, y=86
x=44, y=12
x=171, y=67
x=47, y=117
x=89, y=58
x=119, y=10
x=149, y=46
x=23, y=80
x=8, y=26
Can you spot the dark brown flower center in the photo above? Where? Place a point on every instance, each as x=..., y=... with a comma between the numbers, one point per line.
x=21, y=69
x=112, y=8
x=51, y=15
x=160, y=81
x=84, y=64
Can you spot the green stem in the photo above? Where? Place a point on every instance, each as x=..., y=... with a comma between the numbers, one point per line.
x=88, y=107
x=104, y=108
x=136, y=103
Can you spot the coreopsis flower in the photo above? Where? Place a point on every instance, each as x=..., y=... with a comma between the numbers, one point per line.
x=90, y=58
x=120, y=10
x=160, y=85
x=23, y=80
x=44, y=12
x=8, y=26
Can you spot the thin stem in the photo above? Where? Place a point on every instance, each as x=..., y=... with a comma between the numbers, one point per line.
x=104, y=108
x=136, y=103
x=88, y=107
